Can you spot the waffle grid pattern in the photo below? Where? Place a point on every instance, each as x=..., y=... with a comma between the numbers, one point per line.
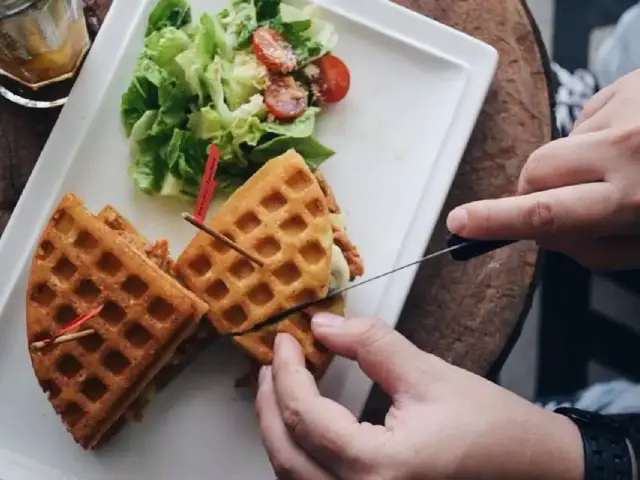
x=279, y=215
x=85, y=379
x=188, y=348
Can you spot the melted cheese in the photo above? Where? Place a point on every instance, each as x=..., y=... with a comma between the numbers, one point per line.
x=338, y=220
x=339, y=276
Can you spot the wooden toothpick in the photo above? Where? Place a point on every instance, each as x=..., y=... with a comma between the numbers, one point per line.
x=62, y=339
x=218, y=236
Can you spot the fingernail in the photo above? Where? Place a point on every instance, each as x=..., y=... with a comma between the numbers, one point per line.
x=279, y=342
x=287, y=349
x=327, y=320
x=457, y=220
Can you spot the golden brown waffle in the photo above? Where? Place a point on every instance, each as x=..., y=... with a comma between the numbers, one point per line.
x=260, y=343
x=188, y=348
x=281, y=216
x=116, y=222
x=157, y=252
x=335, y=305
x=78, y=265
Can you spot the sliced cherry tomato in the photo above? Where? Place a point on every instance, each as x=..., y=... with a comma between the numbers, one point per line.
x=273, y=51
x=285, y=98
x=330, y=78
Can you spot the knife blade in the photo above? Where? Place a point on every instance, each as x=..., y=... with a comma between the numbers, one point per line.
x=461, y=249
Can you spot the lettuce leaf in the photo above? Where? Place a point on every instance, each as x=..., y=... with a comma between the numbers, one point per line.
x=294, y=20
x=215, y=79
x=193, y=61
x=135, y=103
x=169, y=13
x=143, y=92
x=149, y=167
x=186, y=157
x=321, y=32
x=238, y=21
x=141, y=132
x=301, y=127
x=161, y=92
x=313, y=152
x=253, y=108
x=267, y=10
x=228, y=182
x=247, y=131
x=191, y=68
x=244, y=77
x=207, y=124
x=318, y=39
x=297, y=134
x=148, y=172
x=163, y=46
x=205, y=39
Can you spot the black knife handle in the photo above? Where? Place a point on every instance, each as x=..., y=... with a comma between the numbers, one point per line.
x=473, y=248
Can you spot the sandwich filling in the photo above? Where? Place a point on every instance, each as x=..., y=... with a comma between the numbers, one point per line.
x=156, y=252
x=346, y=264
x=339, y=278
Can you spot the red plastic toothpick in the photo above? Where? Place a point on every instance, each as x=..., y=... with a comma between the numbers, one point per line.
x=75, y=323
x=60, y=335
x=207, y=184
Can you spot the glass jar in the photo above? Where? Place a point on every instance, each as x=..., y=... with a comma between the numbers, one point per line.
x=42, y=42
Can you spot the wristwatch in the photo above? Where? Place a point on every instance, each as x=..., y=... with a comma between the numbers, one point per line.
x=608, y=448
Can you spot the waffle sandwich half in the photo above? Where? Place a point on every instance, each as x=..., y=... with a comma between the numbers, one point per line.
x=187, y=350
x=286, y=216
x=81, y=263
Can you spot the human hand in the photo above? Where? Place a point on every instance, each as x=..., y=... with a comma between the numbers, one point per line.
x=579, y=195
x=445, y=423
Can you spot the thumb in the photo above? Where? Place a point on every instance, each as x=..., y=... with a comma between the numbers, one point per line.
x=382, y=353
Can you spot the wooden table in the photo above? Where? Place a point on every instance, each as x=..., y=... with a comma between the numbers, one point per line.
x=464, y=313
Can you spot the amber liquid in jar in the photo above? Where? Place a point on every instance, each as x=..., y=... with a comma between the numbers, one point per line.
x=44, y=43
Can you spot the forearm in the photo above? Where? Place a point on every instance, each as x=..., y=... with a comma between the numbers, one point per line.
x=577, y=445
x=539, y=447
x=574, y=445
x=556, y=452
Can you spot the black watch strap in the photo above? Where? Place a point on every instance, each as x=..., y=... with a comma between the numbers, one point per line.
x=606, y=447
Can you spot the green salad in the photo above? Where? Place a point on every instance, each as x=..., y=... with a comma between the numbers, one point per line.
x=250, y=79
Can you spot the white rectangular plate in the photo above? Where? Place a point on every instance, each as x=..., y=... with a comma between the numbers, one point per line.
x=417, y=89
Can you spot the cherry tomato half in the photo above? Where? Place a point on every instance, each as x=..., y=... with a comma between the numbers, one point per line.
x=330, y=78
x=273, y=51
x=285, y=98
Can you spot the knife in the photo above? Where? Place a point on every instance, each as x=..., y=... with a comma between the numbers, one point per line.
x=461, y=250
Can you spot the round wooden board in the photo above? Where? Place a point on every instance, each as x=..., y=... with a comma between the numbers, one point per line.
x=465, y=313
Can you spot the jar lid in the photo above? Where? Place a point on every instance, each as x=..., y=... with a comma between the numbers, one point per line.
x=14, y=7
